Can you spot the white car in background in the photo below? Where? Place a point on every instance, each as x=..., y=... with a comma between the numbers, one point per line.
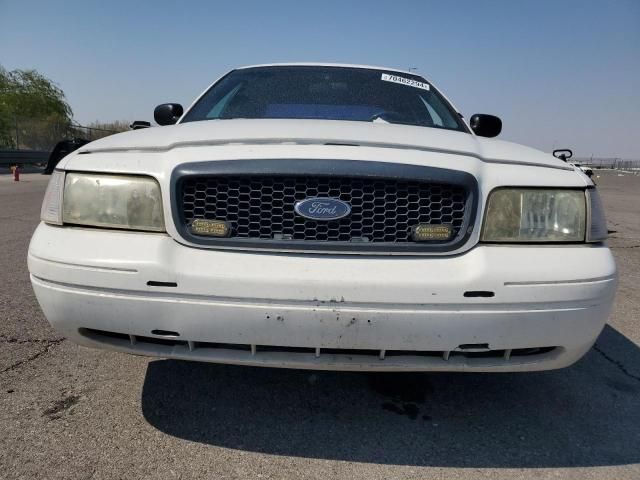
x=326, y=217
x=588, y=171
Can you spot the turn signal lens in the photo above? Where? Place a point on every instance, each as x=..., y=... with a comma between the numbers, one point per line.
x=597, y=231
x=52, y=204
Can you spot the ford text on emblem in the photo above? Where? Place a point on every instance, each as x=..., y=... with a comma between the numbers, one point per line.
x=322, y=208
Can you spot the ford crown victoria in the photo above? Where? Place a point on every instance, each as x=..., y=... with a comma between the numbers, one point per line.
x=325, y=217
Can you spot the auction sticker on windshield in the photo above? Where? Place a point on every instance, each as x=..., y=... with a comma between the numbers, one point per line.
x=404, y=81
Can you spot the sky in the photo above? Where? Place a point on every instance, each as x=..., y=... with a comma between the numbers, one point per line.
x=560, y=73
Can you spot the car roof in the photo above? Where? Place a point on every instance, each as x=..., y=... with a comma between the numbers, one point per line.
x=344, y=65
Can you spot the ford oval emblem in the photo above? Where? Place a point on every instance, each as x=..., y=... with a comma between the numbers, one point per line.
x=322, y=208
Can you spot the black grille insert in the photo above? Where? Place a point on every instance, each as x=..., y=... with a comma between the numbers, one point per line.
x=382, y=210
x=257, y=199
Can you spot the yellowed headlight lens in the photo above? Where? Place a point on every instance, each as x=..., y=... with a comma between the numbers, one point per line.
x=113, y=201
x=535, y=215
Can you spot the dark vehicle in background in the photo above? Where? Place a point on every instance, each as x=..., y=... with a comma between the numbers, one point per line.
x=61, y=150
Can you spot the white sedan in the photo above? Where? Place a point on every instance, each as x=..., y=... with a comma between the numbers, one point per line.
x=324, y=217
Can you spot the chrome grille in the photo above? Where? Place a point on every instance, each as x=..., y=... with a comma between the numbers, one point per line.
x=261, y=207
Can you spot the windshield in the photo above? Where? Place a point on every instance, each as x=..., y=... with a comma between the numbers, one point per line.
x=329, y=93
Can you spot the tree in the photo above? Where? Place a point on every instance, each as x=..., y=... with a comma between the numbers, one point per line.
x=32, y=108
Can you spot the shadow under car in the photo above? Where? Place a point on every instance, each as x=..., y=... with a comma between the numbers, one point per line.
x=585, y=415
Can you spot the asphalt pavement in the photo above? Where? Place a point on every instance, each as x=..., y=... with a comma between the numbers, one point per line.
x=69, y=412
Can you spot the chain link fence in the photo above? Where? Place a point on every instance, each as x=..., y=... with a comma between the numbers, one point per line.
x=610, y=163
x=43, y=135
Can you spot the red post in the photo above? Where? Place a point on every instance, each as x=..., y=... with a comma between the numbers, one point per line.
x=16, y=173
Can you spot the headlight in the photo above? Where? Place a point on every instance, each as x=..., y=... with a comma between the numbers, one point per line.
x=110, y=201
x=535, y=215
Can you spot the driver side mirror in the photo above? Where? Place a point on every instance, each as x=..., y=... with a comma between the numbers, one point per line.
x=167, y=113
x=485, y=125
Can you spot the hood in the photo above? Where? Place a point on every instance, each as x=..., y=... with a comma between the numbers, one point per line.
x=318, y=132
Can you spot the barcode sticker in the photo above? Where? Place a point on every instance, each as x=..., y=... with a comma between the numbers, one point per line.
x=405, y=81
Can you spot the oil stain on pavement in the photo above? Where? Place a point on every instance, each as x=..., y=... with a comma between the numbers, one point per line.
x=405, y=392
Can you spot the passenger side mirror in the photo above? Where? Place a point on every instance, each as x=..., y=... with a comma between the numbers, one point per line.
x=563, y=154
x=485, y=125
x=167, y=113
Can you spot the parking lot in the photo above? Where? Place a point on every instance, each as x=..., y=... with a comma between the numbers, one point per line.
x=76, y=413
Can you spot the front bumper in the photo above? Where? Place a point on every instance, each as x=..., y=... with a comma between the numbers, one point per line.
x=148, y=294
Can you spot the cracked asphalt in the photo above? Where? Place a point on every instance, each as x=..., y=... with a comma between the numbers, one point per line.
x=68, y=412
